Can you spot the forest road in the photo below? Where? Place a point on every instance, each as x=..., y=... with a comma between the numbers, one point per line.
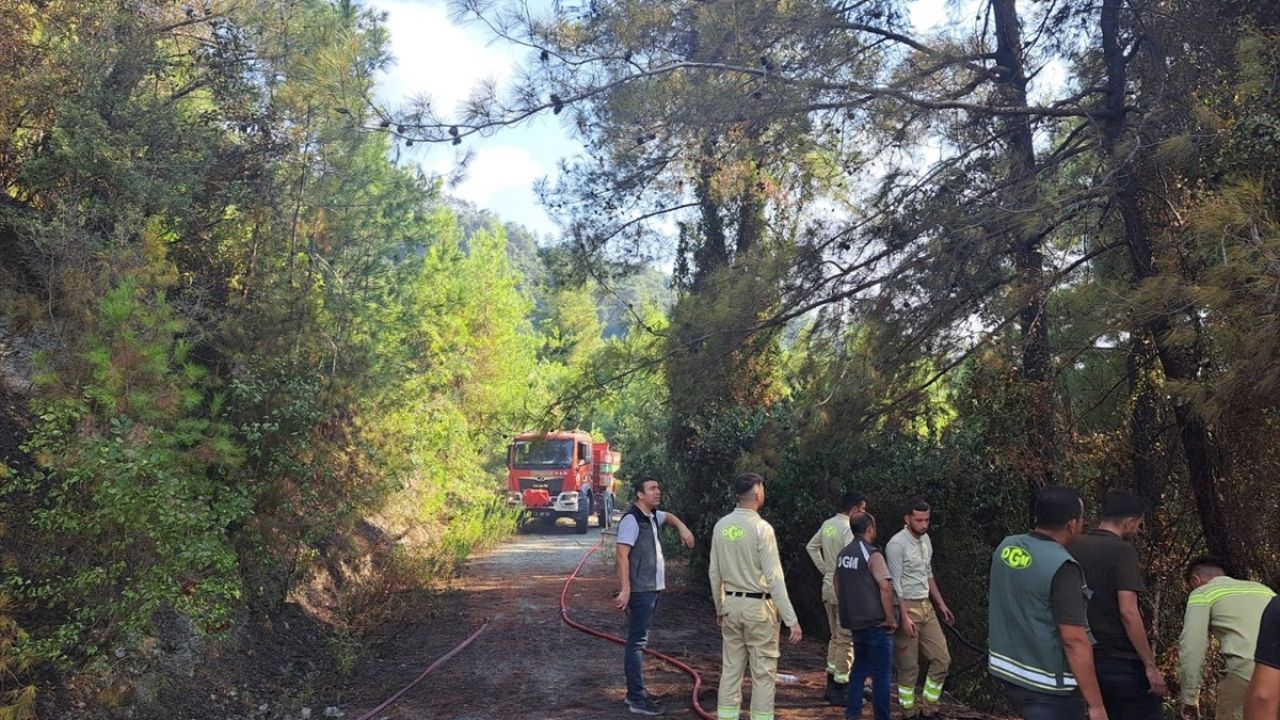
x=530, y=664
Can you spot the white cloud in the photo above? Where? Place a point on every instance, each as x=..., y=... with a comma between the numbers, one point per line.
x=495, y=168
x=434, y=57
x=927, y=15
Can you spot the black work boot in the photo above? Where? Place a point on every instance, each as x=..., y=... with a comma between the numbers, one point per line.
x=835, y=691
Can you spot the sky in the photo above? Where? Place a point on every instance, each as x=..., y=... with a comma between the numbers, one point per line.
x=444, y=60
x=441, y=59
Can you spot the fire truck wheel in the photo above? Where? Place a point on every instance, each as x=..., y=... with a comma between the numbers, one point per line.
x=584, y=516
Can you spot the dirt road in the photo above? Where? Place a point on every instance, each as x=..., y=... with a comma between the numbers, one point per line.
x=529, y=664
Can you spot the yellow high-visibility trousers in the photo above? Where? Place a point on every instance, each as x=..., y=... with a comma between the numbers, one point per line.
x=839, y=647
x=749, y=639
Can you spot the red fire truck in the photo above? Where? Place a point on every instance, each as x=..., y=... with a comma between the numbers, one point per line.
x=558, y=474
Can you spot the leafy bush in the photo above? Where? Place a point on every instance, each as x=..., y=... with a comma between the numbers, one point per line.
x=134, y=502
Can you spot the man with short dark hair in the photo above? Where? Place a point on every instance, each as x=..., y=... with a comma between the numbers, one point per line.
x=750, y=595
x=642, y=576
x=1230, y=610
x=1038, y=625
x=1131, y=683
x=865, y=591
x=1263, y=699
x=910, y=557
x=823, y=548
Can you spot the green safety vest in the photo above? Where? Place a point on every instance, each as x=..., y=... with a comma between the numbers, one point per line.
x=1025, y=647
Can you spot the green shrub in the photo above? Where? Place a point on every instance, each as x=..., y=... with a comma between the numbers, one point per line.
x=131, y=496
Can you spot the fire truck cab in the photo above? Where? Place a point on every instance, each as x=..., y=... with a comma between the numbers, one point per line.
x=558, y=474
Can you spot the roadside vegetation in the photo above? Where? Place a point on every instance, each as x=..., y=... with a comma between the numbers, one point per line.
x=250, y=355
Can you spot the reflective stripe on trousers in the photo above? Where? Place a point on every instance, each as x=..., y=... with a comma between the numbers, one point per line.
x=907, y=697
x=839, y=647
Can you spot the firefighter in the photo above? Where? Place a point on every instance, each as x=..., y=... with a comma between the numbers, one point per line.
x=1231, y=611
x=751, y=597
x=823, y=548
x=910, y=557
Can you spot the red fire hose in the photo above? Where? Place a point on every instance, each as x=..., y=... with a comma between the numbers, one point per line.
x=430, y=669
x=564, y=615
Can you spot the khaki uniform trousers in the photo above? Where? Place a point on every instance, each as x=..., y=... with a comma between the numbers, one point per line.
x=1232, y=690
x=839, y=647
x=749, y=638
x=929, y=642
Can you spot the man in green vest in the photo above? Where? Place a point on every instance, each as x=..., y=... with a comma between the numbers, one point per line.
x=823, y=548
x=1039, y=644
x=1230, y=610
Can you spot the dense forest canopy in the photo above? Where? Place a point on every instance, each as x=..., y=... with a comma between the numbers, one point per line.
x=238, y=336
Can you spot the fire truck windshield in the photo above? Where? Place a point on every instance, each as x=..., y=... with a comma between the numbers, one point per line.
x=542, y=453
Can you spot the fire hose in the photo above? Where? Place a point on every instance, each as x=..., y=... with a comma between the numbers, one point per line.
x=981, y=651
x=430, y=669
x=564, y=615
x=697, y=679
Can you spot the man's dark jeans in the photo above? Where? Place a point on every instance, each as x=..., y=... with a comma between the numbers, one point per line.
x=1045, y=706
x=872, y=657
x=640, y=609
x=1125, y=690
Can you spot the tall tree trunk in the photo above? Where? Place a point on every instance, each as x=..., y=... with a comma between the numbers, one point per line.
x=712, y=250
x=1024, y=243
x=1200, y=448
x=1144, y=419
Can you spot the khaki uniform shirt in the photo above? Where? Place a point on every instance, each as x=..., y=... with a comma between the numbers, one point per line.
x=823, y=548
x=1231, y=610
x=744, y=558
x=910, y=561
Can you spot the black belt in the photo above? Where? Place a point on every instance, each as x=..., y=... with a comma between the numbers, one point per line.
x=753, y=596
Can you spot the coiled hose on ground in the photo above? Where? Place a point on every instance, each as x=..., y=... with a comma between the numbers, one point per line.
x=564, y=615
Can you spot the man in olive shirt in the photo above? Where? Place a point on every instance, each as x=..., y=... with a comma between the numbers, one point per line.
x=823, y=548
x=750, y=595
x=1231, y=611
x=910, y=558
x=1131, y=683
x=1263, y=700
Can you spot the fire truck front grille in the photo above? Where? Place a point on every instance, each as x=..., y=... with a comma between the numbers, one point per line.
x=553, y=486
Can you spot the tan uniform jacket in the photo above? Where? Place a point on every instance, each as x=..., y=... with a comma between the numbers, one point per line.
x=744, y=558
x=825, y=545
x=1230, y=610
